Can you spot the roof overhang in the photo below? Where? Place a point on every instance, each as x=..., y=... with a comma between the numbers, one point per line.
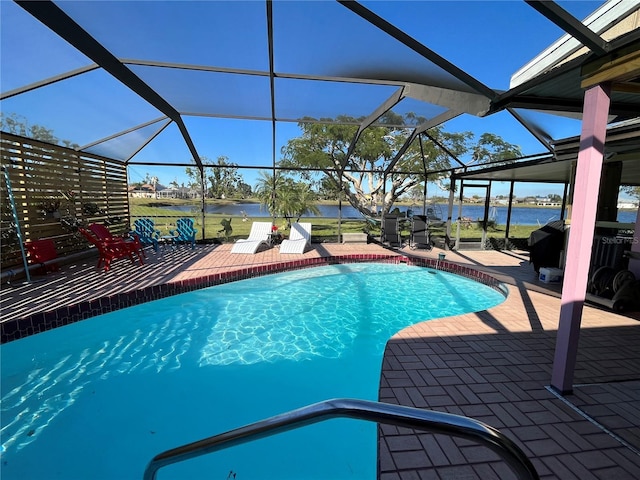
x=605, y=48
x=561, y=90
x=622, y=145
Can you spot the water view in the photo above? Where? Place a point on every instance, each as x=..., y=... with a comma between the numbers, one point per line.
x=519, y=215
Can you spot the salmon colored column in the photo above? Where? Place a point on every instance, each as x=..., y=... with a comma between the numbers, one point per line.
x=583, y=217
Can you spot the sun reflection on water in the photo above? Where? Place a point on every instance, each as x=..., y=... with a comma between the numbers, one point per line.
x=293, y=317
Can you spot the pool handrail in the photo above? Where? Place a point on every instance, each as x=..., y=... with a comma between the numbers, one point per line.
x=409, y=417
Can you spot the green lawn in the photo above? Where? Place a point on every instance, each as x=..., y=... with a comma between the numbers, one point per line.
x=324, y=229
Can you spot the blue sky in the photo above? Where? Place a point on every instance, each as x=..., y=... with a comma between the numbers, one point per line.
x=470, y=49
x=490, y=40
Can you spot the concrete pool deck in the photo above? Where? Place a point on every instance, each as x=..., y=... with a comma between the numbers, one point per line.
x=494, y=365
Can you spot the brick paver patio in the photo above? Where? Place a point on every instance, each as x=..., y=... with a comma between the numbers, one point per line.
x=494, y=365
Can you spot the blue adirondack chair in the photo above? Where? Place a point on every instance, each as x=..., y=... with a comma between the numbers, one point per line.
x=184, y=232
x=147, y=233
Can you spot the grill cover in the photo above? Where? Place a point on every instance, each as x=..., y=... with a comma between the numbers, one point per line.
x=546, y=244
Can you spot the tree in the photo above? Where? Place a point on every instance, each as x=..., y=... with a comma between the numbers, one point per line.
x=417, y=194
x=19, y=125
x=324, y=146
x=221, y=178
x=244, y=190
x=633, y=192
x=195, y=179
x=493, y=149
x=284, y=197
x=328, y=188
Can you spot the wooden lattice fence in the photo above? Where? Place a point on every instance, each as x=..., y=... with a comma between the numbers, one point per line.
x=56, y=189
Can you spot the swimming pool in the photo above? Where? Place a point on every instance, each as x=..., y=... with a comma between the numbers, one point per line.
x=99, y=398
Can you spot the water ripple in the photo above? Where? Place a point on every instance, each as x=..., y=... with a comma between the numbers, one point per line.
x=32, y=405
x=294, y=317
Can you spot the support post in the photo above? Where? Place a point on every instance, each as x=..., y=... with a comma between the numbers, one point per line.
x=203, y=202
x=457, y=244
x=583, y=217
x=563, y=209
x=485, y=222
x=426, y=177
x=340, y=209
x=509, y=208
x=452, y=192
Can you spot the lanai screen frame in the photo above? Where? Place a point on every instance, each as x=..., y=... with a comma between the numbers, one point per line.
x=460, y=93
x=469, y=101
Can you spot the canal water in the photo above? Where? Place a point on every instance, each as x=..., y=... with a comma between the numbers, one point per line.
x=519, y=215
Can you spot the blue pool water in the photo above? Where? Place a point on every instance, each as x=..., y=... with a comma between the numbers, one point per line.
x=99, y=398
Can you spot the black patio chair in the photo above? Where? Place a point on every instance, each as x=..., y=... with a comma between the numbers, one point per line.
x=391, y=231
x=420, y=236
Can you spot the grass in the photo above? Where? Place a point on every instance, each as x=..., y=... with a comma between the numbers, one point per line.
x=324, y=229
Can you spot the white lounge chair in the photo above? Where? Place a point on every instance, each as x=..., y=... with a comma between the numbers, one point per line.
x=299, y=238
x=259, y=235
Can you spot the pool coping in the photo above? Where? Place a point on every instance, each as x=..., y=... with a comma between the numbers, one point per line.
x=18, y=328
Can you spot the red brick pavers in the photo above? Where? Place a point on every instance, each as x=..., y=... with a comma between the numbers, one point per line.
x=493, y=365
x=223, y=260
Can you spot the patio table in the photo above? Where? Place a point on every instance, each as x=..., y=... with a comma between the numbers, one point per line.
x=167, y=241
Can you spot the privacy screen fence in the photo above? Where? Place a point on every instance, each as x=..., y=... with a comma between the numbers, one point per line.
x=55, y=189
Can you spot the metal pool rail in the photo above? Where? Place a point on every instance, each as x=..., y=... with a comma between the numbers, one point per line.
x=428, y=420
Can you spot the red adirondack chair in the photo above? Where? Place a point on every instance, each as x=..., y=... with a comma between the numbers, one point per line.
x=132, y=243
x=108, y=250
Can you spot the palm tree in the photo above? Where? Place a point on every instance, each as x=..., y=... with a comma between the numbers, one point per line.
x=284, y=197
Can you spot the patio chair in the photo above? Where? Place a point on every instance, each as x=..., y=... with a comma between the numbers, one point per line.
x=298, y=240
x=420, y=236
x=147, y=232
x=184, y=232
x=130, y=242
x=434, y=216
x=108, y=250
x=41, y=251
x=391, y=231
x=259, y=235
